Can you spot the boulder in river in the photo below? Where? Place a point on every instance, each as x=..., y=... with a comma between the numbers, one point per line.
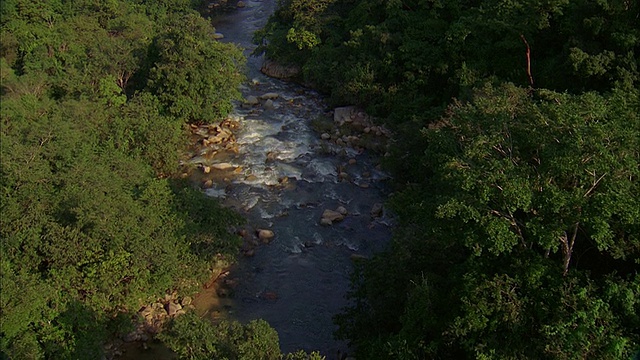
x=221, y=137
x=343, y=114
x=265, y=235
x=249, y=252
x=270, y=95
x=269, y=105
x=147, y=312
x=159, y=312
x=377, y=210
x=358, y=257
x=172, y=308
x=279, y=71
x=269, y=295
x=252, y=100
x=331, y=216
x=222, y=166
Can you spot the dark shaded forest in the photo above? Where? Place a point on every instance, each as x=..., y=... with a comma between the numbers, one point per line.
x=515, y=165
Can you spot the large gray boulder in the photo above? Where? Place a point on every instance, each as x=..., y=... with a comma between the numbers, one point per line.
x=279, y=71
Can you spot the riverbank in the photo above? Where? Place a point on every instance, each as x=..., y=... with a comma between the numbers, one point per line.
x=295, y=159
x=307, y=179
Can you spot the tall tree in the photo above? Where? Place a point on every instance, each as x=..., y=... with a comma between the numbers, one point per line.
x=526, y=223
x=194, y=75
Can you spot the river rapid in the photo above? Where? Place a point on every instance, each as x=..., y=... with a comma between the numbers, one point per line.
x=286, y=176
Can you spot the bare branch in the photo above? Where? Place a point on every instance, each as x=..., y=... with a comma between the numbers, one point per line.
x=514, y=223
x=595, y=184
x=499, y=149
x=517, y=225
x=528, y=59
x=567, y=247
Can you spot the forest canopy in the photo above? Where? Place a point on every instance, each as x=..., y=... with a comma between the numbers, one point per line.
x=515, y=164
x=516, y=170
x=94, y=106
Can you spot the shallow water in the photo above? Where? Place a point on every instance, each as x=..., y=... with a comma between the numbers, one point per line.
x=297, y=282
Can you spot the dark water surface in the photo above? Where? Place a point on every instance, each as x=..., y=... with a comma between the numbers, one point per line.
x=298, y=282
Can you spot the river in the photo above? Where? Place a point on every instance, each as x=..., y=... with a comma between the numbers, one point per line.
x=298, y=281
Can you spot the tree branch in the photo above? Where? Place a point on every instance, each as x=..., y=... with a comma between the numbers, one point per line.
x=567, y=247
x=514, y=223
x=595, y=183
x=528, y=59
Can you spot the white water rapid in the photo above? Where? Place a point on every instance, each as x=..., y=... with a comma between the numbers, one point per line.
x=288, y=177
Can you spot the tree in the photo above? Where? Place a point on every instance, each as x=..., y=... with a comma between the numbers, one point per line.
x=399, y=58
x=543, y=175
x=193, y=337
x=91, y=227
x=513, y=198
x=194, y=76
x=515, y=187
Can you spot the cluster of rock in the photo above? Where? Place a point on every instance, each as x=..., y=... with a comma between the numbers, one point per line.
x=154, y=316
x=332, y=216
x=266, y=100
x=358, y=120
x=252, y=240
x=329, y=217
x=225, y=287
x=220, y=5
x=151, y=319
x=210, y=142
x=216, y=137
x=354, y=128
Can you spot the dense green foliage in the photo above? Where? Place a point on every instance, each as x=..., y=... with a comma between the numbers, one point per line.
x=522, y=240
x=185, y=57
x=518, y=229
x=192, y=337
x=406, y=55
x=91, y=226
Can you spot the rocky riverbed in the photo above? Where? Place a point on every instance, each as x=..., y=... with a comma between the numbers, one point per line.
x=307, y=178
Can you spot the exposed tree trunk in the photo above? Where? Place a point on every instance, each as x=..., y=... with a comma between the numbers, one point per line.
x=567, y=247
x=123, y=79
x=528, y=60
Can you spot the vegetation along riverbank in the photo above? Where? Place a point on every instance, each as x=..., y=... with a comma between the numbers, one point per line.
x=515, y=162
x=97, y=102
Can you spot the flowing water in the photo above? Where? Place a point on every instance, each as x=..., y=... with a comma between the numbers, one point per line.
x=287, y=177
